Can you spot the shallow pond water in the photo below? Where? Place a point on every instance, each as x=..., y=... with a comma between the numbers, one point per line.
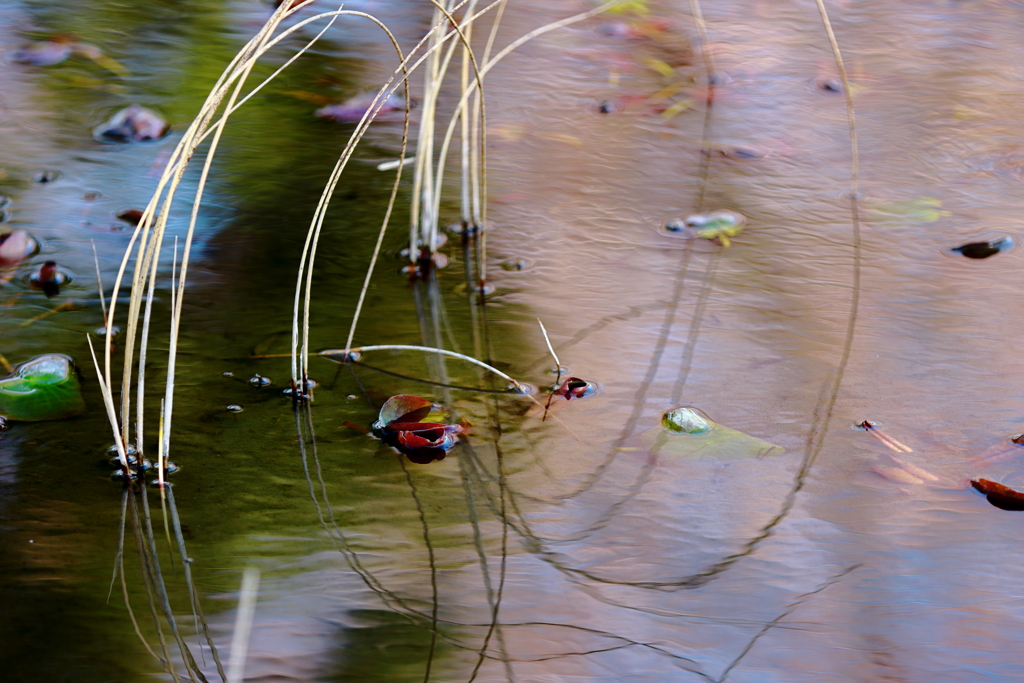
x=588, y=545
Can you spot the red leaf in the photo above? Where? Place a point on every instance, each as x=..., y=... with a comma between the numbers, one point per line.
x=574, y=387
x=1003, y=497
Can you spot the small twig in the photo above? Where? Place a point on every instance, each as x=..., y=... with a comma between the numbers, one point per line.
x=7, y=365
x=558, y=368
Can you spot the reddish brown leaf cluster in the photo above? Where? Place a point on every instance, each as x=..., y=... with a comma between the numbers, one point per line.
x=399, y=426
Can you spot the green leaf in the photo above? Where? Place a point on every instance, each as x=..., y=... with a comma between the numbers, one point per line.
x=45, y=388
x=686, y=433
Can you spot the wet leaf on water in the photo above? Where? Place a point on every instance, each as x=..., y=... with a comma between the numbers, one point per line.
x=720, y=225
x=134, y=123
x=133, y=216
x=687, y=433
x=686, y=421
x=15, y=247
x=574, y=387
x=421, y=442
x=1003, y=497
x=45, y=388
x=980, y=250
x=403, y=408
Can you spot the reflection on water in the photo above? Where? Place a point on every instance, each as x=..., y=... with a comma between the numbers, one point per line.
x=582, y=545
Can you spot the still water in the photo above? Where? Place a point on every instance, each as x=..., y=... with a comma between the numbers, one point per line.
x=591, y=545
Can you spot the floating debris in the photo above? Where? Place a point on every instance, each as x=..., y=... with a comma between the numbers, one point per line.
x=395, y=163
x=353, y=110
x=1003, y=497
x=829, y=85
x=742, y=153
x=48, y=279
x=980, y=250
x=45, y=388
x=132, y=216
x=516, y=264
x=574, y=387
x=259, y=381
x=891, y=443
x=720, y=225
x=134, y=123
x=45, y=177
x=398, y=425
x=115, y=332
x=15, y=247
x=43, y=52
x=687, y=421
x=234, y=408
x=688, y=433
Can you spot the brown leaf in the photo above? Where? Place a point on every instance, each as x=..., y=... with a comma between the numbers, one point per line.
x=1003, y=497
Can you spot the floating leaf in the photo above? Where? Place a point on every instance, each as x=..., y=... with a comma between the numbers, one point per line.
x=720, y=225
x=15, y=247
x=687, y=421
x=690, y=434
x=1003, y=497
x=574, y=387
x=403, y=408
x=45, y=388
x=980, y=250
x=134, y=123
x=421, y=442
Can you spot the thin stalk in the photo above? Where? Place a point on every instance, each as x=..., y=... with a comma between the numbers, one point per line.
x=99, y=284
